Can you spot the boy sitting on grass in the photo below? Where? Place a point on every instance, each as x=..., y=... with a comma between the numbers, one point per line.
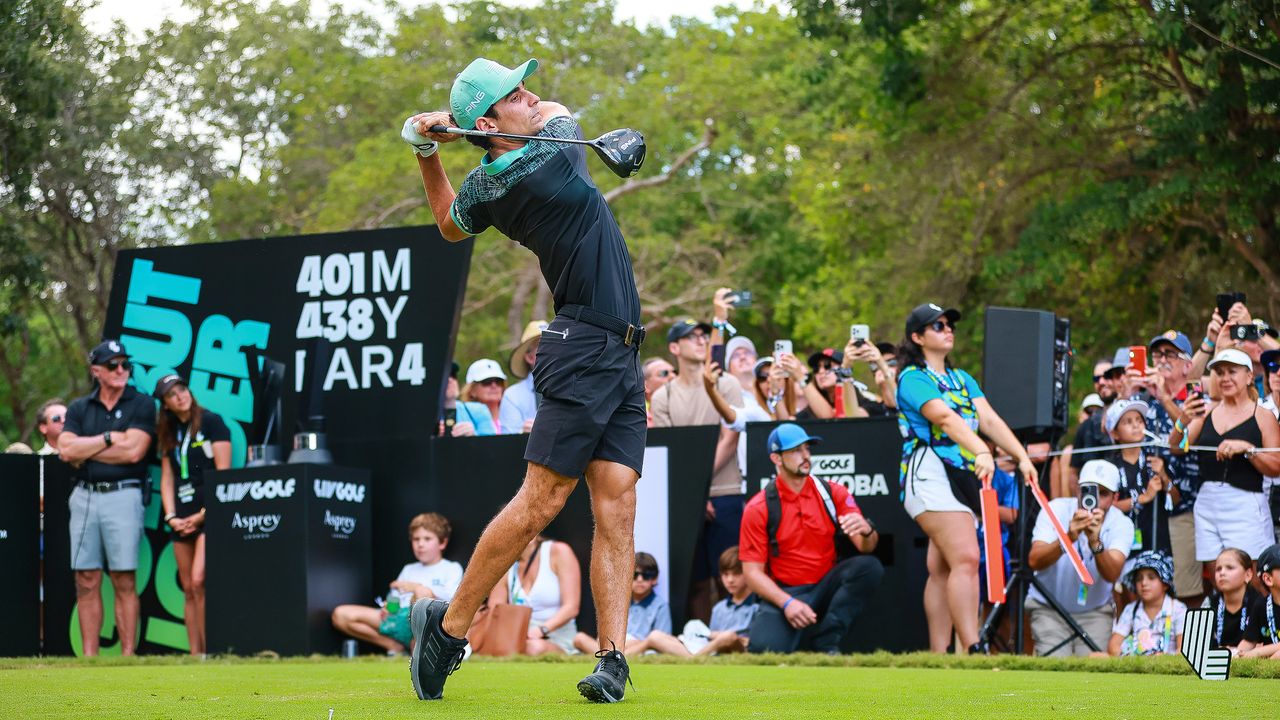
x=1261, y=638
x=648, y=620
x=430, y=577
x=730, y=618
x=1152, y=624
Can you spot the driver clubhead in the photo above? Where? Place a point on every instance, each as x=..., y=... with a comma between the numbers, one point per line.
x=622, y=150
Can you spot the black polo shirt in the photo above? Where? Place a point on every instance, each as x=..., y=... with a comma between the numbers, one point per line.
x=542, y=196
x=1089, y=435
x=87, y=416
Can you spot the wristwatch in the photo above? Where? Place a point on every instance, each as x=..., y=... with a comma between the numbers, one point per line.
x=106, y=438
x=1097, y=550
x=546, y=633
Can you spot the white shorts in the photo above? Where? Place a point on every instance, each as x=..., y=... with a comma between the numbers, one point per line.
x=927, y=486
x=1228, y=517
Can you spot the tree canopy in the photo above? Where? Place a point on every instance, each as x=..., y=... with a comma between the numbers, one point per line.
x=1114, y=162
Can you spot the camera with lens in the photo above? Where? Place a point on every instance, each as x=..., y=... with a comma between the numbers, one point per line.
x=1089, y=497
x=1240, y=333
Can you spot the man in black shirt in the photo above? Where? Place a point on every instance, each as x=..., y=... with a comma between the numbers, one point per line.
x=106, y=438
x=592, y=416
x=1108, y=377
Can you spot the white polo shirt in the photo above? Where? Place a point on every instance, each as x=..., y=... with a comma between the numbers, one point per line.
x=442, y=577
x=1060, y=578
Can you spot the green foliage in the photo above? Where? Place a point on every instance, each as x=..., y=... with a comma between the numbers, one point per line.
x=1112, y=162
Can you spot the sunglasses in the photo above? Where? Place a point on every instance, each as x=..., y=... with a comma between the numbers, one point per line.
x=114, y=365
x=940, y=325
x=490, y=381
x=891, y=363
x=663, y=373
x=53, y=419
x=646, y=575
x=1098, y=378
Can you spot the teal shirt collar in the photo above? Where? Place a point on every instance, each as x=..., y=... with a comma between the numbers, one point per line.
x=493, y=167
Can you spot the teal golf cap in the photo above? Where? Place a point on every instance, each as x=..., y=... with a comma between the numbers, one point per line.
x=483, y=83
x=789, y=436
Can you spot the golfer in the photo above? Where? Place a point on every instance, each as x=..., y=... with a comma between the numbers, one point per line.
x=592, y=418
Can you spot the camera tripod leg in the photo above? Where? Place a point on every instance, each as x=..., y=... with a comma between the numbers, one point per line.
x=987, y=633
x=1076, y=630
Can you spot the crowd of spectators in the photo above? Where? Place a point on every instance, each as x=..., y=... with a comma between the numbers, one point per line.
x=1167, y=490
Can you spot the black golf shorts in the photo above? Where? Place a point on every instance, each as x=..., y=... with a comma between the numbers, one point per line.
x=592, y=399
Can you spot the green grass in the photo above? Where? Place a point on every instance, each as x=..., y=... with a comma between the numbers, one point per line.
x=869, y=686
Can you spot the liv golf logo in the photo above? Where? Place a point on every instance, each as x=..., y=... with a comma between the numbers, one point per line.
x=842, y=469
x=256, y=490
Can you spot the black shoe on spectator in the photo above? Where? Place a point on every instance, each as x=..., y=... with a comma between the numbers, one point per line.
x=436, y=654
x=609, y=682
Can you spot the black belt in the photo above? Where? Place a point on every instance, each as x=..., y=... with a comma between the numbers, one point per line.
x=109, y=485
x=632, y=335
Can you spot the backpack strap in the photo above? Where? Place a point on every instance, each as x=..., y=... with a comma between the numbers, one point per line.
x=773, y=512
x=824, y=492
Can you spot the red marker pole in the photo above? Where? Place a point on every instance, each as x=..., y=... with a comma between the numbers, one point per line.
x=1067, y=546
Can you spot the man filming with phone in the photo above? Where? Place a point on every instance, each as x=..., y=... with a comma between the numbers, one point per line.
x=1103, y=536
x=1170, y=355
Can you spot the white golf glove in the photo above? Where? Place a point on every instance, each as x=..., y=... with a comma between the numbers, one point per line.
x=422, y=147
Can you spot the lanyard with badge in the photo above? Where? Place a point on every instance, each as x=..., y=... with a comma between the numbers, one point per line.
x=187, y=491
x=1222, y=613
x=1271, y=620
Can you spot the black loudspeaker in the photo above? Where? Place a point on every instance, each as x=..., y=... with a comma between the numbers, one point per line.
x=1027, y=370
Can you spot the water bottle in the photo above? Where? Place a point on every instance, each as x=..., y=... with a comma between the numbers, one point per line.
x=393, y=602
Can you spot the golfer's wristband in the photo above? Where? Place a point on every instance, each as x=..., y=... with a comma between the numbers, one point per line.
x=785, y=604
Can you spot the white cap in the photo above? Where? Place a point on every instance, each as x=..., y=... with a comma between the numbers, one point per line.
x=738, y=341
x=1100, y=473
x=1234, y=357
x=1120, y=407
x=484, y=369
x=1092, y=400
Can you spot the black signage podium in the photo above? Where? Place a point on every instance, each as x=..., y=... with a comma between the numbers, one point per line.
x=20, y=555
x=286, y=544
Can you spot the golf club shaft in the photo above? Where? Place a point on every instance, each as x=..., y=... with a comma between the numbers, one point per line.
x=510, y=136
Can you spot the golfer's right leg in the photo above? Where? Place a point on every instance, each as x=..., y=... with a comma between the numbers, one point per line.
x=440, y=628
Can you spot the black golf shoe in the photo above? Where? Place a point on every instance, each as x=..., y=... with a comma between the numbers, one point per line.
x=436, y=654
x=608, y=683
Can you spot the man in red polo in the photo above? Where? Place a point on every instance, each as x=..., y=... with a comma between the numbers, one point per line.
x=788, y=551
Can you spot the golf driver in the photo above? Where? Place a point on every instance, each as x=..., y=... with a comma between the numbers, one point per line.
x=621, y=150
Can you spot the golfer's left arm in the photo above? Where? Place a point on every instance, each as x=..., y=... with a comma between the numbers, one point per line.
x=550, y=110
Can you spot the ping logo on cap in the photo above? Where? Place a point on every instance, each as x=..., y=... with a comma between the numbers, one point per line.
x=475, y=102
